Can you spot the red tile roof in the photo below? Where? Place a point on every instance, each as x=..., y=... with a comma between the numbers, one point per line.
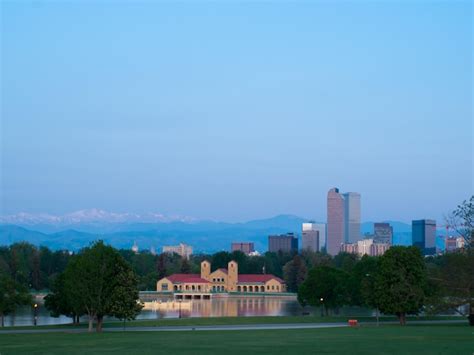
x=186, y=278
x=251, y=278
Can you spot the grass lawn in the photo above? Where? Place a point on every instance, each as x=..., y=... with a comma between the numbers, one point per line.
x=238, y=320
x=390, y=339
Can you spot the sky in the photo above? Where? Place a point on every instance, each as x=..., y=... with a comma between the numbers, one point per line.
x=238, y=110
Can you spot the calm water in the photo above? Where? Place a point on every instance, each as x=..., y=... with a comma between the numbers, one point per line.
x=217, y=307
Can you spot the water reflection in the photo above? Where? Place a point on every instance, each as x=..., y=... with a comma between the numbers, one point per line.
x=216, y=307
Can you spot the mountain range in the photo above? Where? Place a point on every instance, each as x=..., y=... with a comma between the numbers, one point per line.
x=76, y=230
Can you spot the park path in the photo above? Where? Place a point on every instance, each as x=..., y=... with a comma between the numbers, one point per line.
x=188, y=328
x=181, y=328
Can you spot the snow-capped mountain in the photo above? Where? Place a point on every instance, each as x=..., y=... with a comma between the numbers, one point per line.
x=93, y=215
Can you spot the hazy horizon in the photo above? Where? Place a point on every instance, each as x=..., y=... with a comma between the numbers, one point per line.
x=236, y=111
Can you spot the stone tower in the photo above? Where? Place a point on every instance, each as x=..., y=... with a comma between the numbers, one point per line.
x=206, y=270
x=232, y=276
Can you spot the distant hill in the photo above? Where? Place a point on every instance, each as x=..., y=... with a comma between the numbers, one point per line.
x=204, y=236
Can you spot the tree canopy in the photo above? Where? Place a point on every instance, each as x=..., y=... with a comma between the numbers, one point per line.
x=401, y=282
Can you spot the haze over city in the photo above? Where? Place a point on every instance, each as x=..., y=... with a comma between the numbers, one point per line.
x=236, y=111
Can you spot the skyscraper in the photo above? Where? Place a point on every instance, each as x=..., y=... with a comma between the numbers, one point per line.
x=383, y=233
x=284, y=242
x=423, y=234
x=310, y=237
x=351, y=217
x=335, y=221
x=343, y=219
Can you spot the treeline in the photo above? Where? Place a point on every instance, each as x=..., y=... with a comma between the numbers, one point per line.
x=400, y=282
x=37, y=268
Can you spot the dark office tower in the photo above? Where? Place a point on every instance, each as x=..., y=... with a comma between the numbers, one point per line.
x=284, y=242
x=383, y=233
x=335, y=225
x=423, y=234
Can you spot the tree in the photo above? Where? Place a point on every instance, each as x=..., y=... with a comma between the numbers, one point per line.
x=124, y=304
x=102, y=282
x=345, y=261
x=401, y=282
x=325, y=286
x=161, y=266
x=462, y=220
x=12, y=295
x=185, y=266
x=61, y=301
x=363, y=282
x=453, y=274
x=294, y=273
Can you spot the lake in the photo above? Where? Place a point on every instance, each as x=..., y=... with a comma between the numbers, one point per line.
x=216, y=307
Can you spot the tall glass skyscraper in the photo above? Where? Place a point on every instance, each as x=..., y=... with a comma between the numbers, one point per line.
x=423, y=234
x=351, y=217
x=343, y=219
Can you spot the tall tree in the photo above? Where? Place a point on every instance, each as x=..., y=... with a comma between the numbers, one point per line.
x=325, y=286
x=462, y=220
x=61, y=300
x=401, y=282
x=185, y=266
x=294, y=273
x=453, y=274
x=97, y=280
x=12, y=295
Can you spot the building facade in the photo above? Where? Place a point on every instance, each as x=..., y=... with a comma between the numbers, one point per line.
x=335, y=221
x=284, y=242
x=423, y=233
x=365, y=247
x=219, y=281
x=182, y=249
x=452, y=244
x=245, y=247
x=343, y=219
x=351, y=217
x=383, y=233
x=310, y=237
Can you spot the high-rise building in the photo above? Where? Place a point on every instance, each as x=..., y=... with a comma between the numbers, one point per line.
x=182, y=249
x=284, y=242
x=423, y=234
x=335, y=221
x=351, y=217
x=383, y=233
x=321, y=228
x=244, y=247
x=310, y=237
x=343, y=219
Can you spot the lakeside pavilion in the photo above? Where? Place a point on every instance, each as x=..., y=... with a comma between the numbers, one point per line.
x=219, y=281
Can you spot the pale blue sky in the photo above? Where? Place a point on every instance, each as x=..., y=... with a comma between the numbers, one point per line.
x=236, y=111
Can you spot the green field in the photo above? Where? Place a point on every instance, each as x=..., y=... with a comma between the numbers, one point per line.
x=163, y=322
x=416, y=339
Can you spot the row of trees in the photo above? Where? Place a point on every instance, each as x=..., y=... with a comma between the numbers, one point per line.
x=400, y=282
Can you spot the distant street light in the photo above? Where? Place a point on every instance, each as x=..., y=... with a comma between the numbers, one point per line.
x=322, y=306
x=35, y=319
x=179, y=312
